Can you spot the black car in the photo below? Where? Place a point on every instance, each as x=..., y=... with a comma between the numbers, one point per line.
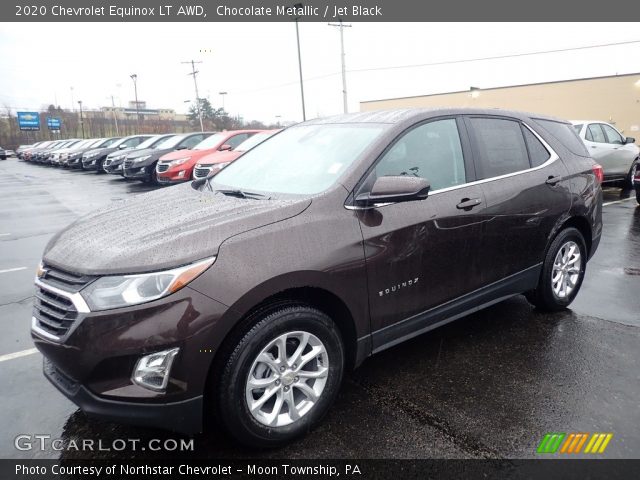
x=74, y=159
x=250, y=293
x=141, y=165
x=113, y=162
x=93, y=159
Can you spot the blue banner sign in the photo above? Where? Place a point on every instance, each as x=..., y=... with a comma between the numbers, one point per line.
x=54, y=123
x=29, y=120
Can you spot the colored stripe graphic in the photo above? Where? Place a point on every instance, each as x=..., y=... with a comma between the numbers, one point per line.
x=598, y=443
x=551, y=442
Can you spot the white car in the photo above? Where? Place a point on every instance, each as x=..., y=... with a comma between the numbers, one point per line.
x=617, y=154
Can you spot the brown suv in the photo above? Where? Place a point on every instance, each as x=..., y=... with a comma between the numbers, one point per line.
x=248, y=294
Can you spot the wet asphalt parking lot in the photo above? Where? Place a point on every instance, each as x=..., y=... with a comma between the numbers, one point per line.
x=489, y=385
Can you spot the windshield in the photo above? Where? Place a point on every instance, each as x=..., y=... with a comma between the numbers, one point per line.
x=118, y=142
x=210, y=142
x=306, y=159
x=107, y=143
x=149, y=142
x=251, y=142
x=171, y=142
x=94, y=142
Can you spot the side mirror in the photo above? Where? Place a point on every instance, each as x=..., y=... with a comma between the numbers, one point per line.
x=122, y=146
x=225, y=147
x=629, y=140
x=393, y=189
x=181, y=147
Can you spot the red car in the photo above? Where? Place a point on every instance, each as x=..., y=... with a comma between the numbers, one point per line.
x=216, y=161
x=176, y=167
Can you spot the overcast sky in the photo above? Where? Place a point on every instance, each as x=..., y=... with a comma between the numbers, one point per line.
x=256, y=63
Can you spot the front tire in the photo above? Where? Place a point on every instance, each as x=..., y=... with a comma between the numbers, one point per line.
x=562, y=272
x=632, y=172
x=281, y=377
x=638, y=194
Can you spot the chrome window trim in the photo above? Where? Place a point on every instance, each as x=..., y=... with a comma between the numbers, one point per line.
x=553, y=157
x=77, y=300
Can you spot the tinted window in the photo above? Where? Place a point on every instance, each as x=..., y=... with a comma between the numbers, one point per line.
x=565, y=134
x=237, y=139
x=191, y=141
x=612, y=135
x=588, y=135
x=578, y=128
x=501, y=147
x=431, y=151
x=595, y=132
x=538, y=154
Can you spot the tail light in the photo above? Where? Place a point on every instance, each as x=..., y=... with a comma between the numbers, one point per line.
x=598, y=172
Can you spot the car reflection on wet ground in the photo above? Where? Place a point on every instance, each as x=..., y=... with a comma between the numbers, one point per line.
x=489, y=385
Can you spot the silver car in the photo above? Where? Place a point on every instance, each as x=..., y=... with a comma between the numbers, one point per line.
x=617, y=154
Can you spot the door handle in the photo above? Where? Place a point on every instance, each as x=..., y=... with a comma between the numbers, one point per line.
x=468, y=203
x=553, y=180
x=594, y=146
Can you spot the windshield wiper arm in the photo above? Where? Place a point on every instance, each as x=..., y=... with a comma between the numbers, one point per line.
x=241, y=193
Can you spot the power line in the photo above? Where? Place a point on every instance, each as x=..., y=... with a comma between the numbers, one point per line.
x=446, y=62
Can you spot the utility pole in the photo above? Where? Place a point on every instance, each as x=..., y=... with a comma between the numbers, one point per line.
x=134, y=77
x=223, y=94
x=73, y=105
x=304, y=113
x=194, y=72
x=115, y=116
x=344, y=70
x=81, y=119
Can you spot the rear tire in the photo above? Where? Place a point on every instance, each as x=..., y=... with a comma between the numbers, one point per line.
x=638, y=194
x=562, y=272
x=302, y=377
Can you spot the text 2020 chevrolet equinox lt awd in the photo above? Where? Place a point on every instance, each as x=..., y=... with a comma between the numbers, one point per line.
x=249, y=293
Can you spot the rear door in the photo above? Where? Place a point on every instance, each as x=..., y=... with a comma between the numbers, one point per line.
x=523, y=182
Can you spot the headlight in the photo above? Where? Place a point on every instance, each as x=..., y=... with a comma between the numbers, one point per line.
x=123, y=290
x=141, y=159
x=219, y=166
x=180, y=161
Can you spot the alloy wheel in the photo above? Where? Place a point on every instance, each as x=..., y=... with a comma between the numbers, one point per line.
x=566, y=269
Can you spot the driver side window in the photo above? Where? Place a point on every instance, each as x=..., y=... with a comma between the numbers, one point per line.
x=432, y=151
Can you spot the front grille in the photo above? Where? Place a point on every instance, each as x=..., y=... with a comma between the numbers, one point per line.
x=163, y=167
x=201, y=172
x=53, y=313
x=128, y=163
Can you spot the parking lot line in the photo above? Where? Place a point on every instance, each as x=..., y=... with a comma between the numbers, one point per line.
x=23, y=353
x=617, y=201
x=17, y=269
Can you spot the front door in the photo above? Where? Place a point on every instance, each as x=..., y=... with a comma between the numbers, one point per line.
x=420, y=254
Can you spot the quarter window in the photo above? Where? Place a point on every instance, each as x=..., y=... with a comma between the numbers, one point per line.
x=612, y=134
x=432, y=151
x=538, y=154
x=596, y=133
x=501, y=147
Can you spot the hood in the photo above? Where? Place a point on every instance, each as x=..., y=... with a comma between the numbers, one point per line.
x=176, y=154
x=160, y=230
x=220, y=157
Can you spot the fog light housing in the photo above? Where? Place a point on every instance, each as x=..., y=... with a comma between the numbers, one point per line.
x=181, y=173
x=152, y=371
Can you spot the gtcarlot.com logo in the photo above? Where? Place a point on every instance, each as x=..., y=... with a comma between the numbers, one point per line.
x=574, y=443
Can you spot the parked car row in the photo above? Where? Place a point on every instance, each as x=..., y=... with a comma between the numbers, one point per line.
x=160, y=159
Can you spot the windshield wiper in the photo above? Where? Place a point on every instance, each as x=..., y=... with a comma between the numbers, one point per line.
x=242, y=194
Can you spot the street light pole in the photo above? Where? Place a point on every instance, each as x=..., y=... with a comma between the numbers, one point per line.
x=134, y=77
x=81, y=118
x=115, y=116
x=344, y=70
x=194, y=72
x=304, y=113
x=73, y=105
x=223, y=94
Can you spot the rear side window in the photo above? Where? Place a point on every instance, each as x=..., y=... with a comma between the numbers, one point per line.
x=538, y=154
x=432, y=151
x=578, y=128
x=501, y=147
x=565, y=134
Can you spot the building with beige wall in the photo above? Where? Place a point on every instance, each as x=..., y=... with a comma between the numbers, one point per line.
x=614, y=99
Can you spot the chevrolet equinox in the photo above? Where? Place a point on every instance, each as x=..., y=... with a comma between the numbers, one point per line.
x=248, y=294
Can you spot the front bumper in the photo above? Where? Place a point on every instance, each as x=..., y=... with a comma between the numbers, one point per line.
x=93, y=362
x=184, y=416
x=135, y=172
x=90, y=164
